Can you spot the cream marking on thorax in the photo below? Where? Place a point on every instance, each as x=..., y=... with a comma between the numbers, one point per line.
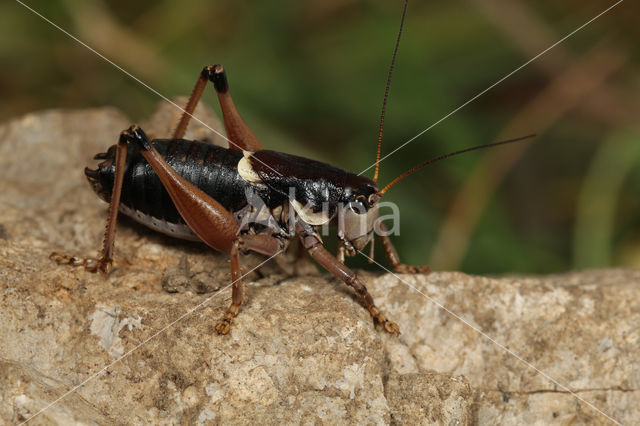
x=245, y=169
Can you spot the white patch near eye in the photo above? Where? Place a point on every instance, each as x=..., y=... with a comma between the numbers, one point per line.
x=308, y=215
x=245, y=169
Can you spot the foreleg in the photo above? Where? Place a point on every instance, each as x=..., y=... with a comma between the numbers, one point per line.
x=322, y=256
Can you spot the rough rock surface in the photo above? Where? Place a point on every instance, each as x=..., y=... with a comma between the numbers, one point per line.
x=302, y=350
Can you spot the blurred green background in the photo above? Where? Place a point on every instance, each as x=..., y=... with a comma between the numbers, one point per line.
x=308, y=77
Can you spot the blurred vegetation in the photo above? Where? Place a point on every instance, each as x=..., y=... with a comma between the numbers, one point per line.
x=309, y=77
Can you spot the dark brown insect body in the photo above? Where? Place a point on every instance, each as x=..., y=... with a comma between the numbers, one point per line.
x=240, y=199
x=211, y=168
x=260, y=184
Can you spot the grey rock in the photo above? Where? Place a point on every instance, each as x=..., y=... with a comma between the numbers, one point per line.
x=26, y=391
x=429, y=398
x=138, y=346
x=579, y=329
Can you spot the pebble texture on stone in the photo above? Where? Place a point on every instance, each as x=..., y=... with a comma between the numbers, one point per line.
x=302, y=350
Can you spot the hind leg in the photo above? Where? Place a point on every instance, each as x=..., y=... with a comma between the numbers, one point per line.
x=104, y=262
x=240, y=137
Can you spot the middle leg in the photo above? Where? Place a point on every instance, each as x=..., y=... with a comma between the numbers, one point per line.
x=322, y=256
x=258, y=243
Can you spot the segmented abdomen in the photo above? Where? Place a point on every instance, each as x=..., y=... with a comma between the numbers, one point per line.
x=211, y=168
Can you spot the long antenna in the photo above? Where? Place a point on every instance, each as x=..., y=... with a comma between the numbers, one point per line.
x=442, y=157
x=386, y=90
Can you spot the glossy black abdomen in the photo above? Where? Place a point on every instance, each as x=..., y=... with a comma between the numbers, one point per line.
x=211, y=168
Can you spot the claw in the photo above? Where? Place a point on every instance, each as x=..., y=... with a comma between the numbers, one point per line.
x=391, y=328
x=223, y=327
x=89, y=264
